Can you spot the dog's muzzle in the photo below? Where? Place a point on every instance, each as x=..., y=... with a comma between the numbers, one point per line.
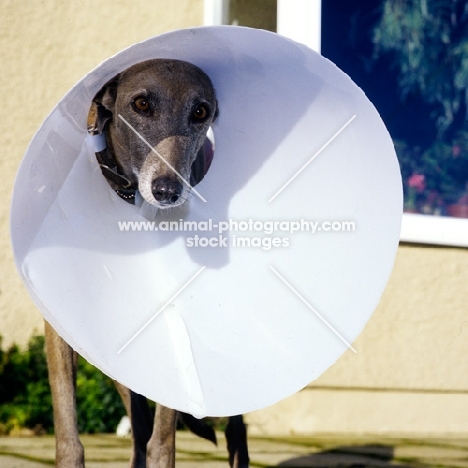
x=159, y=181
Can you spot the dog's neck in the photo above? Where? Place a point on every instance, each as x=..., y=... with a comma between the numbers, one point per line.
x=110, y=170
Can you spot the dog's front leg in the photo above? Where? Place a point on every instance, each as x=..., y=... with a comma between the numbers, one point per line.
x=142, y=427
x=161, y=446
x=141, y=419
x=61, y=362
x=236, y=436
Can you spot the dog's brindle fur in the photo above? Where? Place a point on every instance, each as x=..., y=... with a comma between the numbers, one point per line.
x=171, y=104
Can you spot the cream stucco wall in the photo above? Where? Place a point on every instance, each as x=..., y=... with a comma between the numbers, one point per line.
x=411, y=370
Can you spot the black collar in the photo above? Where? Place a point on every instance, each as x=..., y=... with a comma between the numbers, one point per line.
x=121, y=184
x=98, y=118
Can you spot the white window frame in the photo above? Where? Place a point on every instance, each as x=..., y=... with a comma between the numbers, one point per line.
x=300, y=20
x=215, y=12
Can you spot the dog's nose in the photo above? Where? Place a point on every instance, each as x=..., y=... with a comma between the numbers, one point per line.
x=166, y=190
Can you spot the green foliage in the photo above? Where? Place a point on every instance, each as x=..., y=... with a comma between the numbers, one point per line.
x=443, y=169
x=429, y=43
x=26, y=402
x=99, y=406
x=449, y=160
x=25, y=399
x=429, y=40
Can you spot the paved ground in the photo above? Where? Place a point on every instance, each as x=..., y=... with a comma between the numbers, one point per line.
x=106, y=451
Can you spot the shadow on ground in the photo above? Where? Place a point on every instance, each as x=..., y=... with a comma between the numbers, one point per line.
x=364, y=456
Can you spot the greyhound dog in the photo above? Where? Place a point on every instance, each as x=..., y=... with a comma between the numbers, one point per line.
x=170, y=104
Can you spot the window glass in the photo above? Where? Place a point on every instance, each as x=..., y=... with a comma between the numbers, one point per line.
x=411, y=59
x=259, y=14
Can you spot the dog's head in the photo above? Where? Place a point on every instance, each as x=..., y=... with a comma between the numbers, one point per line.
x=168, y=105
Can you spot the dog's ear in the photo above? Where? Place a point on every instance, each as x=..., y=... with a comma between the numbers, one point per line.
x=198, y=171
x=216, y=114
x=104, y=102
x=202, y=162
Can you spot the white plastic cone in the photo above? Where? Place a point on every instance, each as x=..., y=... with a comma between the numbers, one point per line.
x=229, y=329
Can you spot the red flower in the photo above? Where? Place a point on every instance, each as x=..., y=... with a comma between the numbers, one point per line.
x=416, y=181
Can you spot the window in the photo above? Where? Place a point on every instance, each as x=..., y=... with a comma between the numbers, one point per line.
x=259, y=14
x=407, y=58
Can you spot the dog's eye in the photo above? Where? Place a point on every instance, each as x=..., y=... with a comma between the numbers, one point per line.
x=200, y=112
x=142, y=104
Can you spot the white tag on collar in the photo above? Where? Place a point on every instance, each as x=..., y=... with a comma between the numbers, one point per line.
x=97, y=142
